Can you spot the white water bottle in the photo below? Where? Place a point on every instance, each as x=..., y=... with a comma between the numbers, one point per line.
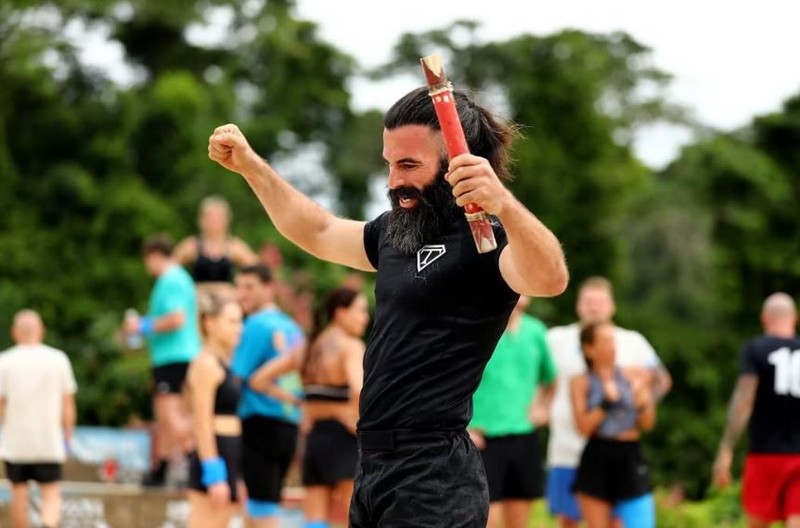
x=133, y=340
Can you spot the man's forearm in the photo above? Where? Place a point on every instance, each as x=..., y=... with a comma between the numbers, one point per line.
x=662, y=383
x=297, y=217
x=266, y=374
x=168, y=323
x=544, y=395
x=739, y=410
x=734, y=427
x=69, y=418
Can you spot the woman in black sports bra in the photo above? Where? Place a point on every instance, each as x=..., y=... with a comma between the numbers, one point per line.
x=214, y=484
x=213, y=255
x=332, y=375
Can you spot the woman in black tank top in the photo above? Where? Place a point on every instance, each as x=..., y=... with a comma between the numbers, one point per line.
x=332, y=375
x=214, y=484
x=213, y=255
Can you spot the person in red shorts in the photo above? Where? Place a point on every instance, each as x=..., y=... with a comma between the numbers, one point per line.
x=767, y=396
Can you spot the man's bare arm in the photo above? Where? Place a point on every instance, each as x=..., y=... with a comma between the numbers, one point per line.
x=533, y=262
x=739, y=410
x=539, y=412
x=69, y=416
x=662, y=383
x=297, y=217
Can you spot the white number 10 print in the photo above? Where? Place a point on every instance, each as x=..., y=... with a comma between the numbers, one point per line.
x=787, y=371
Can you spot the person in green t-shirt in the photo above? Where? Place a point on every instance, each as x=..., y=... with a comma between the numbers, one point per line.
x=173, y=335
x=512, y=401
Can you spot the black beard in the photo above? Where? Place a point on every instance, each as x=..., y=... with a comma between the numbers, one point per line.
x=436, y=209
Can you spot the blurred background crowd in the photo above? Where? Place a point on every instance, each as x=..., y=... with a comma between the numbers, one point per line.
x=89, y=167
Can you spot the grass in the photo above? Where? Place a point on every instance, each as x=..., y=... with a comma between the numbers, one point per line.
x=721, y=509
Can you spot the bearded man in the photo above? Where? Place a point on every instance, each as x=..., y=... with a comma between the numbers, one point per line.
x=440, y=305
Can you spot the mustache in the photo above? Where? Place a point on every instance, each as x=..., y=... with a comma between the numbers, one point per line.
x=407, y=192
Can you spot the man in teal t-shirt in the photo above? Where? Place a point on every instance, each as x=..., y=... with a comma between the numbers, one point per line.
x=172, y=330
x=512, y=399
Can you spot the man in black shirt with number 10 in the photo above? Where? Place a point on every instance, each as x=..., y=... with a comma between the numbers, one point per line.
x=767, y=396
x=440, y=305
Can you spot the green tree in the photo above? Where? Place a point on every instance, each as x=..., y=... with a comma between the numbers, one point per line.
x=710, y=240
x=98, y=167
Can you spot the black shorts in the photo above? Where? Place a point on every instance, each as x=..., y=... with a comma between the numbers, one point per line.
x=612, y=470
x=415, y=478
x=268, y=448
x=331, y=454
x=514, y=467
x=169, y=378
x=229, y=448
x=44, y=473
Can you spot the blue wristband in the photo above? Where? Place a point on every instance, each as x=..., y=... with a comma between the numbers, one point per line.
x=146, y=325
x=213, y=471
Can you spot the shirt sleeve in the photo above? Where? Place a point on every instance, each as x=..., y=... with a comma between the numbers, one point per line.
x=170, y=297
x=548, y=371
x=648, y=353
x=2, y=379
x=250, y=352
x=747, y=359
x=372, y=237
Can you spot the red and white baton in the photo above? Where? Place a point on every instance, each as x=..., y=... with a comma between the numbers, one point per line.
x=441, y=92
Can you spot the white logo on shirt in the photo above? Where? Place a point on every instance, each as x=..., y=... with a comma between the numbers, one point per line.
x=428, y=254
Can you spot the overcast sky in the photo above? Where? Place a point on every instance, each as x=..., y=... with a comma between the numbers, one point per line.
x=731, y=59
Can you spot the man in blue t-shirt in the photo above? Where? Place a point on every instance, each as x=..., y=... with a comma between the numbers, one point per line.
x=173, y=334
x=269, y=418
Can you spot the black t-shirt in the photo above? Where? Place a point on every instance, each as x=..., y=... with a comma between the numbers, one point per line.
x=439, y=314
x=775, y=421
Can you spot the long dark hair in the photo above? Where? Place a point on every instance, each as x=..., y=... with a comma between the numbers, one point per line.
x=486, y=135
x=587, y=337
x=342, y=297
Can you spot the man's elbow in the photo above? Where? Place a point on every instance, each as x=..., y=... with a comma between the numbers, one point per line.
x=559, y=282
x=553, y=284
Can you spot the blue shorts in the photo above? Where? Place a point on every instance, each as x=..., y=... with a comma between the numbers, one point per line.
x=639, y=512
x=560, y=499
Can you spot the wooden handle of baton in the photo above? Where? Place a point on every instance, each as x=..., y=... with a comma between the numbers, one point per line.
x=441, y=92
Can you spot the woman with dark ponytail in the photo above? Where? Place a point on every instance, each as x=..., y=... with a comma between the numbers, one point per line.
x=332, y=375
x=612, y=407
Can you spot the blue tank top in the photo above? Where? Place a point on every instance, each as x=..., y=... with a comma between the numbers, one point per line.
x=622, y=415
